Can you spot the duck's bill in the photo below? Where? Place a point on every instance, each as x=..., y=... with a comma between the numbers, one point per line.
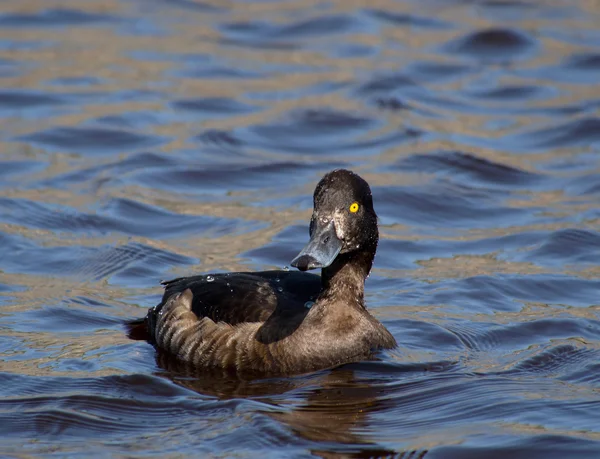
x=321, y=250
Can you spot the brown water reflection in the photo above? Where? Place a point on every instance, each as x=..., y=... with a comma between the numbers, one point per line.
x=331, y=408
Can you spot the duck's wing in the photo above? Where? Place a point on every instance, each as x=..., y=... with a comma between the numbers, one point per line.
x=204, y=343
x=235, y=298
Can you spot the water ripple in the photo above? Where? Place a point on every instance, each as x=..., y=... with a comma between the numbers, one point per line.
x=58, y=17
x=92, y=140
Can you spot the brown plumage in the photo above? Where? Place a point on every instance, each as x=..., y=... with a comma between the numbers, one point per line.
x=264, y=323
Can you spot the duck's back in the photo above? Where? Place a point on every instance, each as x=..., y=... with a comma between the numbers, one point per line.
x=234, y=298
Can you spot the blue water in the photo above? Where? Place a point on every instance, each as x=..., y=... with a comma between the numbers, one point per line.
x=143, y=140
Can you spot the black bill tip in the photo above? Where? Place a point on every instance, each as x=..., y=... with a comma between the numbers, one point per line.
x=305, y=262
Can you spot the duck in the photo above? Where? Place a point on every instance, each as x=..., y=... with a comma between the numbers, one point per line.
x=282, y=322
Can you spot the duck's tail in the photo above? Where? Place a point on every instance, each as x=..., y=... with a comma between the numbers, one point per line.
x=137, y=329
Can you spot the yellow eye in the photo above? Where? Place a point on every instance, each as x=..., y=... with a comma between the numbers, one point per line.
x=354, y=207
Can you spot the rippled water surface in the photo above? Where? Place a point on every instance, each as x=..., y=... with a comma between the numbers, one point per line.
x=147, y=139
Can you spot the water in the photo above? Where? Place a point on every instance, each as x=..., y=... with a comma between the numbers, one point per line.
x=147, y=139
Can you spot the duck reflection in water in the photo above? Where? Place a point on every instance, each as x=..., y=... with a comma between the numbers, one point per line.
x=266, y=323
x=331, y=409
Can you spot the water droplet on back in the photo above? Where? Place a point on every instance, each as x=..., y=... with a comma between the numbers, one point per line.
x=280, y=289
x=286, y=268
x=309, y=304
x=209, y=278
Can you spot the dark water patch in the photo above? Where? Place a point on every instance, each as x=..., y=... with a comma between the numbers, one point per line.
x=123, y=264
x=452, y=205
x=214, y=70
x=488, y=336
x=588, y=184
x=353, y=50
x=503, y=109
x=508, y=292
x=58, y=17
x=22, y=99
x=586, y=62
x=493, y=45
x=416, y=334
x=219, y=138
x=319, y=89
x=580, y=132
x=551, y=446
x=408, y=20
x=59, y=320
x=210, y=66
x=586, y=373
x=482, y=294
x=510, y=93
x=10, y=169
x=118, y=215
x=518, y=401
x=474, y=336
x=437, y=72
x=326, y=132
x=133, y=217
x=142, y=160
x=141, y=121
x=569, y=246
x=237, y=176
x=86, y=301
x=213, y=106
x=49, y=217
x=77, y=81
x=260, y=44
x=461, y=165
x=385, y=84
x=282, y=249
x=399, y=254
x=506, y=9
x=317, y=26
x=146, y=55
x=190, y=5
x=126, y=386
x=92, y=140
x=567, y=110
x=579, y=69
x=391, y=103
x=95, y=416
x=263, y=33
x=328, y=120
x=127, y=95
x=110, y=173
x=557, y=359
x=119, y=263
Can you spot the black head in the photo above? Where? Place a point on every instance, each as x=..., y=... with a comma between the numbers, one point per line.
x=343, y=221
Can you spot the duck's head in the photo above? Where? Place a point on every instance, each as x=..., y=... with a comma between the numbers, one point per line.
x=343, y=223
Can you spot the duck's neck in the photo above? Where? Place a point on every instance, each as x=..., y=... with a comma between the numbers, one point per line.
x=345, y=278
